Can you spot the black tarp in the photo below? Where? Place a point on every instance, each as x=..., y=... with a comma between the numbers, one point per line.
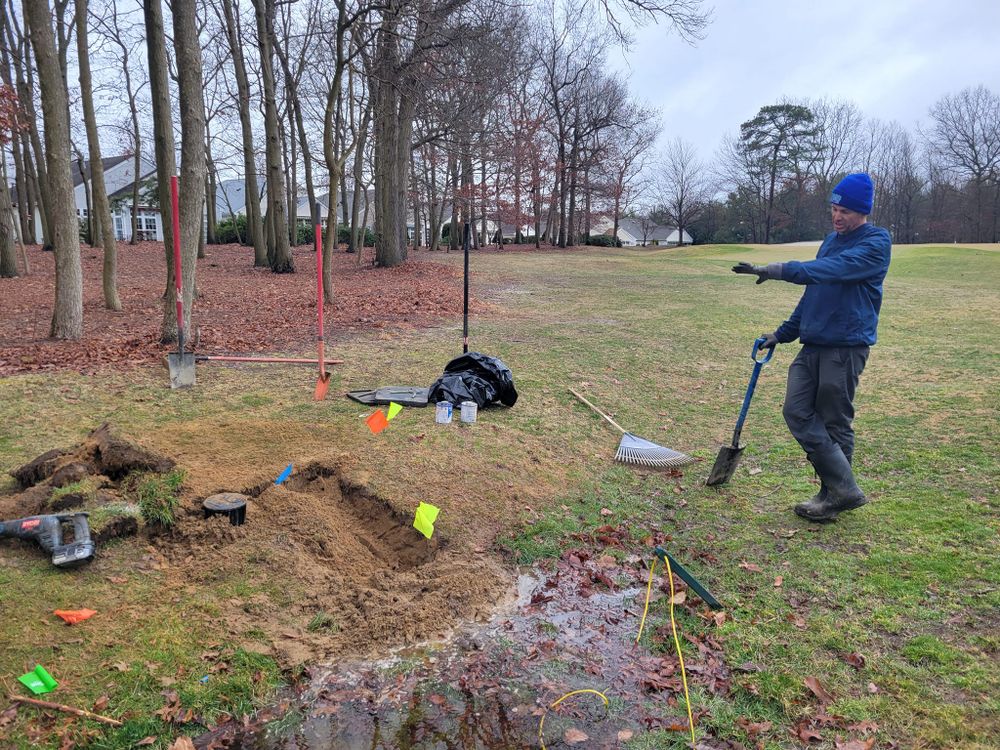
x=475, y=377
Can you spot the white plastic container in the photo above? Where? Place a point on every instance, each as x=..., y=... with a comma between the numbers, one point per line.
x=469, y=410
x=442, y=412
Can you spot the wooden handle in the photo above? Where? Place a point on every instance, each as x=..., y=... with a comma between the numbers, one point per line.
x=613, y=422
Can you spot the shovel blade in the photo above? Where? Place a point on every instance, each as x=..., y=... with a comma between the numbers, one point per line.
x=322, y=386
x=182, y=370
x=725, y=465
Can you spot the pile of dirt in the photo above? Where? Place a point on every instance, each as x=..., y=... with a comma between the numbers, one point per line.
x=356, y=575
x=322, y=565
x=92, y=477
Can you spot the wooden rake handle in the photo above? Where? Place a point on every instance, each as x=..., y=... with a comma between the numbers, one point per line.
x=613, y=422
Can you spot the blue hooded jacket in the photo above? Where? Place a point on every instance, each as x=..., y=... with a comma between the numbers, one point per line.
x=843, y=294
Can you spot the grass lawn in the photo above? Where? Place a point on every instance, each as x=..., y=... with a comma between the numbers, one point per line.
x=893, y=609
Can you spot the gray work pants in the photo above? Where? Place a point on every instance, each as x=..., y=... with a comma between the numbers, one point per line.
x=819, y=398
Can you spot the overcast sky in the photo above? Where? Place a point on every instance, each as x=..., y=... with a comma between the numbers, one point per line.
x=893, y=58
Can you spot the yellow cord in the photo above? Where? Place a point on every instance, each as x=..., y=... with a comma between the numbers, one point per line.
x=642, y=622
x=649, y=586
x=680, y=657
x=541, y=722
x=673, y=627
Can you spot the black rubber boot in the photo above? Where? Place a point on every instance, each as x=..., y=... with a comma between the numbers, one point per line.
x=815, y=505
x=842, y=491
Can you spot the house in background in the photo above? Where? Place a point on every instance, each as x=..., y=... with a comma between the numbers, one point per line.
x=642, y=233
x=118, y=180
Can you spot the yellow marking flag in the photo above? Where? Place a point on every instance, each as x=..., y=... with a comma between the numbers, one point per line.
x=394, y=409
x=423, y=520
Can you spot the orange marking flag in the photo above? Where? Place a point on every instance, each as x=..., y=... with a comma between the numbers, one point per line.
x=73, y=616
x=377, y=422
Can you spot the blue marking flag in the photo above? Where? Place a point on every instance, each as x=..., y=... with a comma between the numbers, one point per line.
x=284, y=475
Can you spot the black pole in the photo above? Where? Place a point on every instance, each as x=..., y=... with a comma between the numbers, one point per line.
x=465, y=306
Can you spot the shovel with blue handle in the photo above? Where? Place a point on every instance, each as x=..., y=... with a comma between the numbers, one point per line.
x=729, y=456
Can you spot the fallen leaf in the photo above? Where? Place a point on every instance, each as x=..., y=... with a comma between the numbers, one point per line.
x=182, y=743
x=855, y=659
x=854, y=744
x=101, y=703
x=624, y=735
x=145, y=741
x=120, y=666
x=864, y=727
x=872, y=688
x=720, y=619
x=755, y=470
x=572, y=736
x=753, y=728
x=752, y=567
x=778, y=580
x=679, y=598
x=606, y=512
x=8, y=715
x=117, y=579
x=817, y=689
x=748, y=666
x=437, y=699
x=806, y=733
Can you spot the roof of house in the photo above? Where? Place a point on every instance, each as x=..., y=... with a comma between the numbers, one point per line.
x=653, y=233
x=108, y=162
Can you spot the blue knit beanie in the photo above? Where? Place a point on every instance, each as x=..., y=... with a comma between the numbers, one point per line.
x=855, y=192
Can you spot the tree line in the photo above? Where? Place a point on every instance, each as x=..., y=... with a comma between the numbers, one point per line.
x=772, y=181
x=418, y=117
x=420, y=114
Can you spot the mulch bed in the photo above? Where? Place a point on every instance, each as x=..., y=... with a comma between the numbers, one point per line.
x=239, y=309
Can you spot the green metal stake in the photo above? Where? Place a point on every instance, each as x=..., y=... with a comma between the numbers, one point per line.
x=689, y=579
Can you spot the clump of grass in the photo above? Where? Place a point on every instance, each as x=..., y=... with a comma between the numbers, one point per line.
x=322, y=621
x=86, y=488
x=157, y=496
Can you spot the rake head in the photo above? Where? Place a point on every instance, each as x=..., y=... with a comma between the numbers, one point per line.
x=635, y=450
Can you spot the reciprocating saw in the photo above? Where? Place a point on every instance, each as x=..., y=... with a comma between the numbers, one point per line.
x=48, y=532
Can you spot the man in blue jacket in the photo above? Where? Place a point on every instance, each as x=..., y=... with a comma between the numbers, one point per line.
x=836, y=321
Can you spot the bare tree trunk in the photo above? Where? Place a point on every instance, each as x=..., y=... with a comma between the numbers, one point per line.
x=357, y=233
x=279, y=252
x=9, y=230
x=255, y=227
x=190, y=84
x=8, y=258
x=24, y=199
x=91, y=229
x=100, y=209
x=211, y=190
x=67, y=315
x=34, y=156
x=163, y=140
x=417, y=228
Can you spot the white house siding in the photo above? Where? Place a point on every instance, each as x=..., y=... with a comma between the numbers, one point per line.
x=116, y=178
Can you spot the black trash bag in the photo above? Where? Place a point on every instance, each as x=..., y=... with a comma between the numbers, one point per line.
x=475, y=377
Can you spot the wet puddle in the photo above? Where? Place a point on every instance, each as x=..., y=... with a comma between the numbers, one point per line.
x=571, y=627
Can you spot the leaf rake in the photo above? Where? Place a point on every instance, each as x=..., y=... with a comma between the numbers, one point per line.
x=634, y=450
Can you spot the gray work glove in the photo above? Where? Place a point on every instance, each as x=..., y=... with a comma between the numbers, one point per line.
x=770, y=340
x=763, y=273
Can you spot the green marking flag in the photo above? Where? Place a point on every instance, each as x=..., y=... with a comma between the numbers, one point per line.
x=423, y=520
x=394, y=409
x=38, y=680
